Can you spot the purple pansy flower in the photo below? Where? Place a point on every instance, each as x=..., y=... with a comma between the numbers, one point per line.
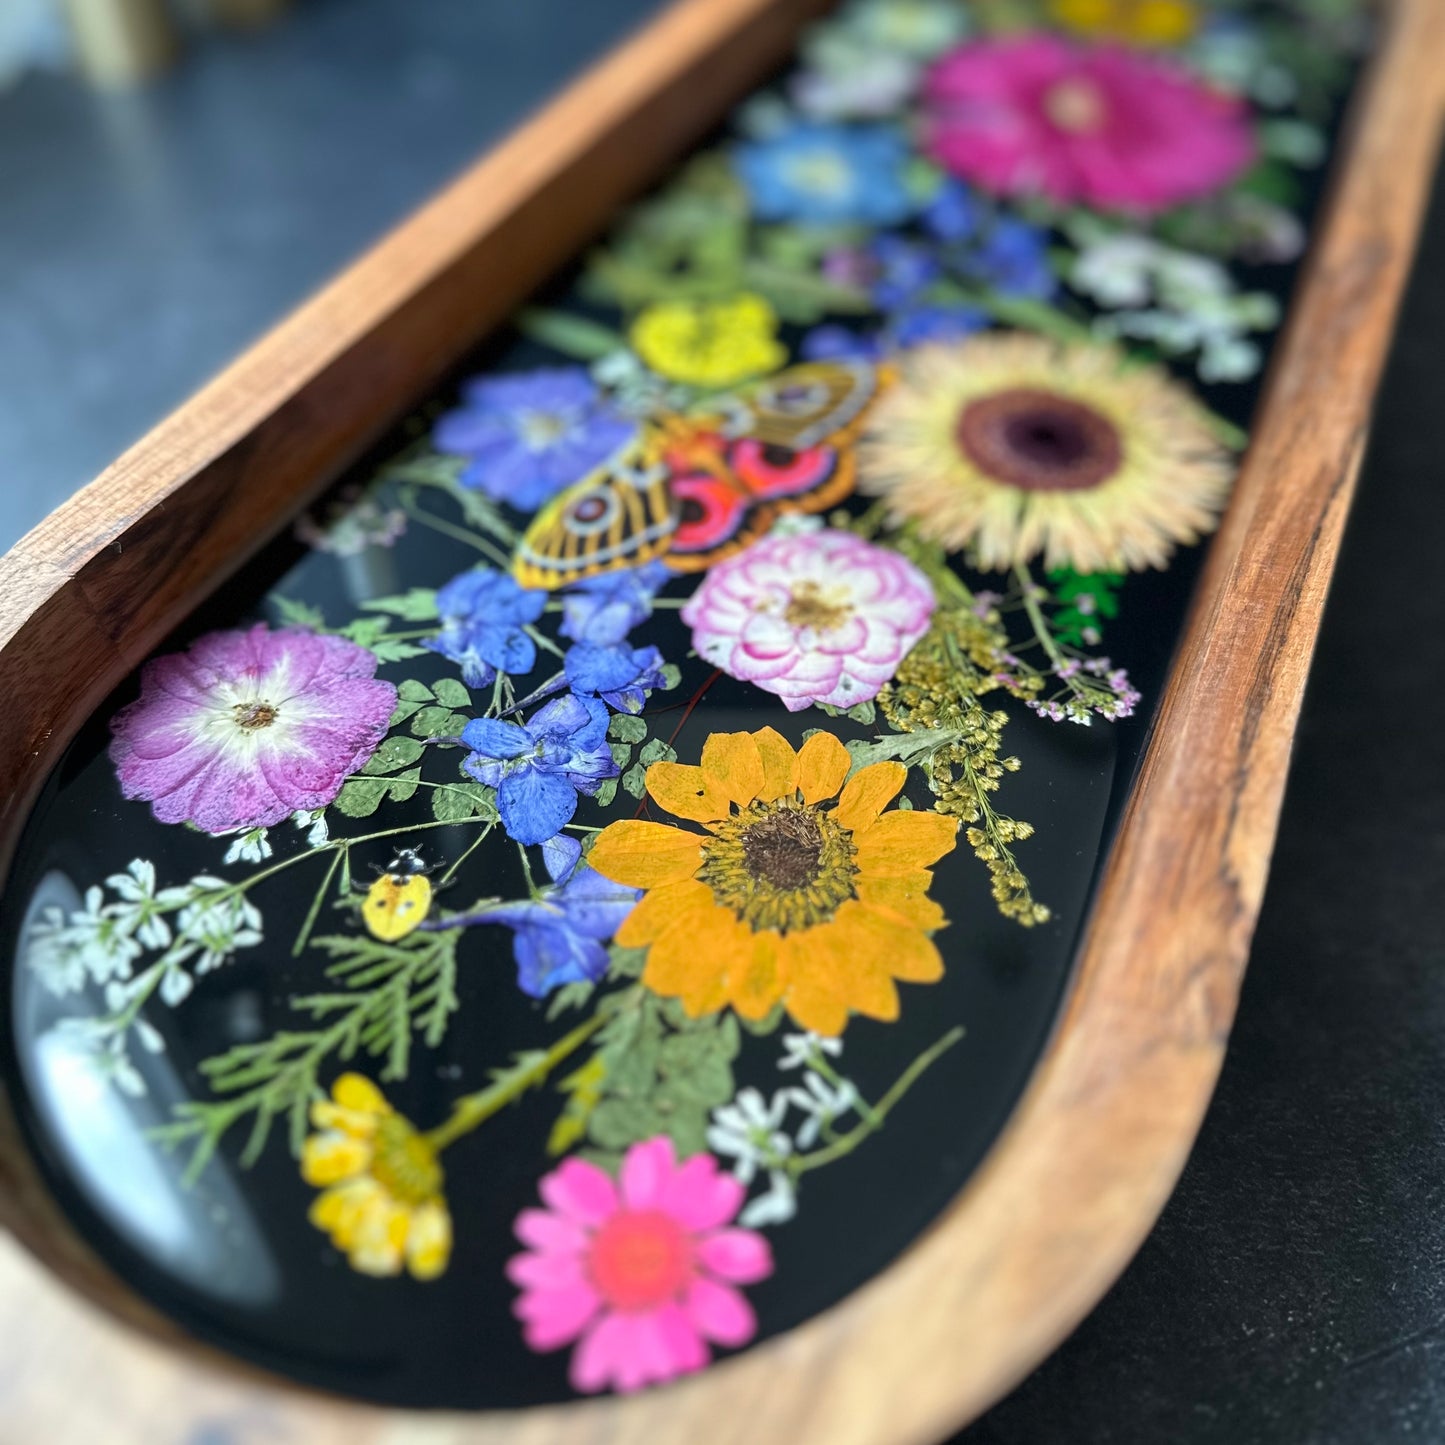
x=621, y=676
x=539, y=767
x=605, y=609
x=483, y=613
x=559, y=935
x=532, y=434
x=245, y=728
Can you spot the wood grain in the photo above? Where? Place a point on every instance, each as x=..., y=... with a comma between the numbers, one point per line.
x=1095, y=1146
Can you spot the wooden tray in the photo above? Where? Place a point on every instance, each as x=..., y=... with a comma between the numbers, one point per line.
x=1089, y=1156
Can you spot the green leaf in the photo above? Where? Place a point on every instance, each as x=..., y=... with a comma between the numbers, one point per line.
x=671, y=675
x=458, y=801
x=621, y=753
x=625, y=962
x=626, y=728
x=606, y=793
x=361, y=797
x=452, y=693
x=634, y=780
x=655, y=752
x=438, y=722
x=413, y=691
x=405, y=785
x=392, y=649
x=569, y=333
x=417, y=605
x=299, y=614
x=620, y=1123
x=397, y=751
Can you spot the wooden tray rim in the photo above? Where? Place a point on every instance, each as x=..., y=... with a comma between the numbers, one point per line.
x=1089, y=1157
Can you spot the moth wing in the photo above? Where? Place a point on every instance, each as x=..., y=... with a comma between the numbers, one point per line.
x=620, y=515
x=807, y=405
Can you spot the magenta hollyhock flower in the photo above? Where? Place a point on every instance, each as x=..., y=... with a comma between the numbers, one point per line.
x=819, y=616
x=245, y=728
x=1101, y=125
x=641, y=1273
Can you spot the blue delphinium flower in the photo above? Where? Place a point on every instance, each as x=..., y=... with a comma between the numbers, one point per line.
x=953, y=213
x=901, y=270
x=539, y=767
x=532, y=434
x=1012, y=258
x=559, y=935
x=918, y=325
x=605, y=609
x=482, y=614
x=833, y=341
x=619, y=675
x=828, y=175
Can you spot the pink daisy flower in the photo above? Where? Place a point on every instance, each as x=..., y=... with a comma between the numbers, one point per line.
x=819, y=616
x=640, y=1272
x=246, y=728
x=1102, y=125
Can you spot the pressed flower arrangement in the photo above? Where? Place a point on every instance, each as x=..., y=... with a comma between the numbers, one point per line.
x=601, y=860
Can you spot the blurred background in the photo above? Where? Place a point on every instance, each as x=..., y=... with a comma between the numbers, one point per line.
x=177, y=174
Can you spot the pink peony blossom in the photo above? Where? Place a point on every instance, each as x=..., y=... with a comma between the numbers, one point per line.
x=819, y=616
x=245, y=728
x=1102, y=125
x=640, y=1272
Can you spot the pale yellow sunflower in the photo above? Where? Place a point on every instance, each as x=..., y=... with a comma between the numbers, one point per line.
x=802, y=891
x=1141, y=22
x=381, y=1200
x=710, y=343
x=1013, y=445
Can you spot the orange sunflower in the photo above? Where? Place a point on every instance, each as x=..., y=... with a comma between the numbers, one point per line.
x=803, y=891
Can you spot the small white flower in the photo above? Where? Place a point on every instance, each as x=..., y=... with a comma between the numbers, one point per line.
x=140, y=910
x=176, y=985
x=214, y=925
x=249, y=847
x=52, y=954
x=748, y=1131
x=799, y=1050
x=106, y=949
x=824, y=1103
x=314, y=825
x=150, y=1037
x=777, y=1206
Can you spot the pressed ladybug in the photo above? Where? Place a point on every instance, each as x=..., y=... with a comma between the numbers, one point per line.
x=400, y=899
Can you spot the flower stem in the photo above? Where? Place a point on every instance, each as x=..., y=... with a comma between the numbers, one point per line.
x=473, y=1110
x=310, y=921
x=1040, y=624
x=873, y=1121
x=460, y=534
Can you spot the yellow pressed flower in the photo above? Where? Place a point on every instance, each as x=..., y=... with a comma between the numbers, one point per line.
x=710, y=343
x=381, y=1200
x=1014, y=445
x=803, y=890
x=1143, y=22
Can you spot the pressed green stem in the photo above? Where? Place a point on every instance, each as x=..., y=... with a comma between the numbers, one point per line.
x=471, y=848
x=310, y=921
x=818, y=1062
x=460, y=534
x=473, y=1110
x=1037, y=620
x=847, y=1143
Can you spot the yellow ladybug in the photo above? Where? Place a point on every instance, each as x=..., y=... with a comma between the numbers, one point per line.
x=400, y=898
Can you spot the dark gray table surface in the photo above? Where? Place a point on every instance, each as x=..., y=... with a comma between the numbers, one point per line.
x=1294, y=1289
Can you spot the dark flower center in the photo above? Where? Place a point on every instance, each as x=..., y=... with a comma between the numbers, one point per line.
x=1039, y=441
x=780, y=866
x=784, y=849
x=253, y=715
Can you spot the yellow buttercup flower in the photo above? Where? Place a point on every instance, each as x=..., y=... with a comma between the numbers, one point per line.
x=1014, y=445
x=710, y=343
x=1142, y=22
x=803, y=890
x=381, y=1200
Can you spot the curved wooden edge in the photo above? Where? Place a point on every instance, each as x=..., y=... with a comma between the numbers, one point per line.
x=1097, y=1142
